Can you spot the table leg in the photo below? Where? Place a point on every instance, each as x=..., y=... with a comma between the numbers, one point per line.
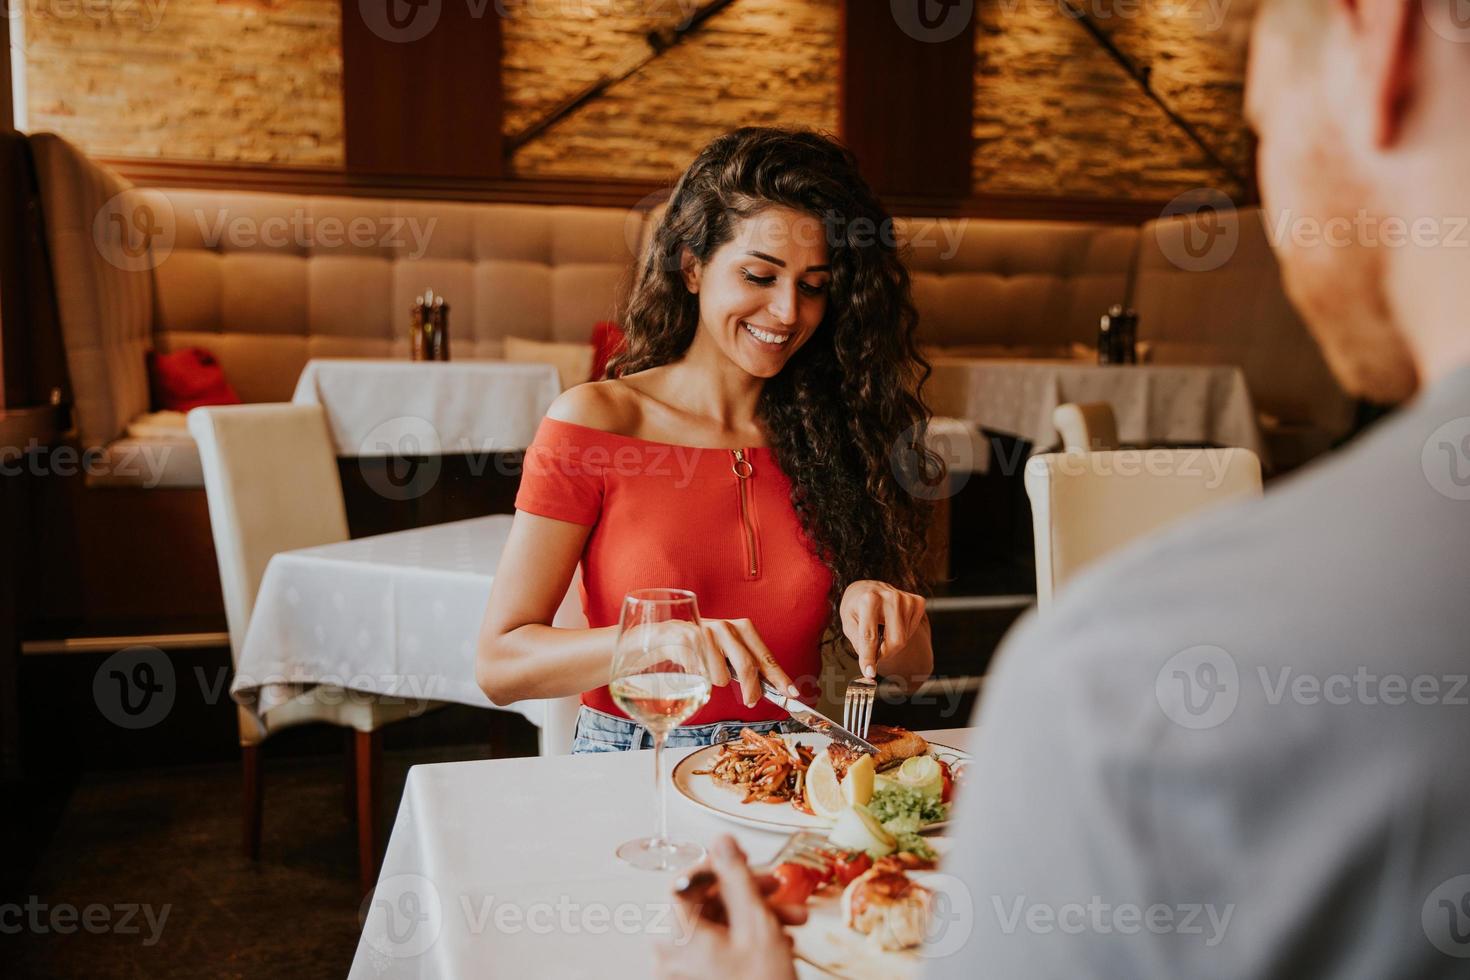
x=369, y=753
x=254, y=786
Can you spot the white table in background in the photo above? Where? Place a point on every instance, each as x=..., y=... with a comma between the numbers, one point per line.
x=1154, y=404
x=427, y=408
x=393, y=615
x=506, y=868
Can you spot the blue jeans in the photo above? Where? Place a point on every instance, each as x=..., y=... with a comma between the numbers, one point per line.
x=598, y=731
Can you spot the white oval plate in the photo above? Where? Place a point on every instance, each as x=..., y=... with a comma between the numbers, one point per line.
x=725, y=801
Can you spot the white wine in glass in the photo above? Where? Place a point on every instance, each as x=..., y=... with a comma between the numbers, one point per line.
x=659, y=678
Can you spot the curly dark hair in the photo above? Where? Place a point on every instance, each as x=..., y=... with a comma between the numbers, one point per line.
x=845, y=417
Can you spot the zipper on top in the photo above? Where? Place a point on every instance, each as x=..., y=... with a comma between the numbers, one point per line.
x=744, y=471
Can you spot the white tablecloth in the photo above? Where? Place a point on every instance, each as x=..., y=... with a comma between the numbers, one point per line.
x=393, y=614
x=506, y=868
x=1155, y=404
x=425, y=408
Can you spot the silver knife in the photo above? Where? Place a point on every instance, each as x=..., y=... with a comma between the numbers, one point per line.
x=816, y=721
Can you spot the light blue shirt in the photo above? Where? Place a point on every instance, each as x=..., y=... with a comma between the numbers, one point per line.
x=1242, y=748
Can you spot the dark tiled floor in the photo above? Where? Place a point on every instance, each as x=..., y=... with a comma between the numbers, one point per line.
x=170, y=839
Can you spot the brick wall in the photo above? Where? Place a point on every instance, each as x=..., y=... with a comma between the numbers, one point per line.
x=1055, y=114
x=760, y=62
x=260, y=80
x=240, y=80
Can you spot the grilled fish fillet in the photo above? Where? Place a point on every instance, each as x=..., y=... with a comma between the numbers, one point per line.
x=893, y=745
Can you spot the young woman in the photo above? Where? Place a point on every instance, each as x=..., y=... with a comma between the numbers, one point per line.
x=754, y=444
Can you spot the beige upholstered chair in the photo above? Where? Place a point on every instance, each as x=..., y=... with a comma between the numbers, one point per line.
x=1086, y=505
x=1086, y=427
x=270, y=475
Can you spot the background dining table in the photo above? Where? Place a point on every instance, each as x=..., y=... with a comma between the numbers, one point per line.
x=1155, y=405
x=392, y=615
x=426, y=408
x=505, y=868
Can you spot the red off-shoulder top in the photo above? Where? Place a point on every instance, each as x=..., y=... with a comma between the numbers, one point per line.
x=717, y=522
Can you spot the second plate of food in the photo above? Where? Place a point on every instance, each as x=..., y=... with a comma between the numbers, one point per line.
x=696, y=779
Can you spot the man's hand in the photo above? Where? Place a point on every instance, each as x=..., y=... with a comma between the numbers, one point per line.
x=753, y=944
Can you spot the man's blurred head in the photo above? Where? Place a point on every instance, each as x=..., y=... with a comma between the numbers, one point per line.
x=1355, y=103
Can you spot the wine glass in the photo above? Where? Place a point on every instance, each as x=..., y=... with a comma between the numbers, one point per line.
x=659, y=678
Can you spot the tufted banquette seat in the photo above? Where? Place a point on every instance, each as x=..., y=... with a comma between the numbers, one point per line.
x=268, y=281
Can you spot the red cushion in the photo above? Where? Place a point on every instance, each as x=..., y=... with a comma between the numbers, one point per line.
x=187, y=378
x=607, y=341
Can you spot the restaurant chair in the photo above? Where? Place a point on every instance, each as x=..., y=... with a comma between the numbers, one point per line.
x=1086, y=427
x=1085, y=506
x=270, y=476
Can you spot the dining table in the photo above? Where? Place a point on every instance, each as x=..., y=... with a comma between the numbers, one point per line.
x=389, y=616
x=405, y=408
x=506, y=868
x=1155, y=404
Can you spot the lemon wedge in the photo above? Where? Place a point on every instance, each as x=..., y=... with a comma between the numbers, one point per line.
x=922, y=773
x=857, y=785
x=858, y=830
x=823, y=791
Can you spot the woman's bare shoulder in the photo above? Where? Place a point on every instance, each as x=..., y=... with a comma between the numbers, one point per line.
x=612, y=406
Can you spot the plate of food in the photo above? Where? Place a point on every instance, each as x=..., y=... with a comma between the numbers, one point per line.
x=866, y=917
x=805, y=781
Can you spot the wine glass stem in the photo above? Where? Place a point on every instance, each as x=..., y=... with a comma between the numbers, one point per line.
x=660, y=790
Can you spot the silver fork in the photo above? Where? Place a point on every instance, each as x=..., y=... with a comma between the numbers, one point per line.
x=857, y=705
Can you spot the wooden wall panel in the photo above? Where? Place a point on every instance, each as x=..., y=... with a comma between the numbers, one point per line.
x=421, y=89
x=908, y=89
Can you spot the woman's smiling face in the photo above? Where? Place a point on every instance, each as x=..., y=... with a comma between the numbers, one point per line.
x=763, y=293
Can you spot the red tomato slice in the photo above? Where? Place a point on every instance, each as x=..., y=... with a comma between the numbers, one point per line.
x=948, y=789
x=850, y=866
x=795, y=884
